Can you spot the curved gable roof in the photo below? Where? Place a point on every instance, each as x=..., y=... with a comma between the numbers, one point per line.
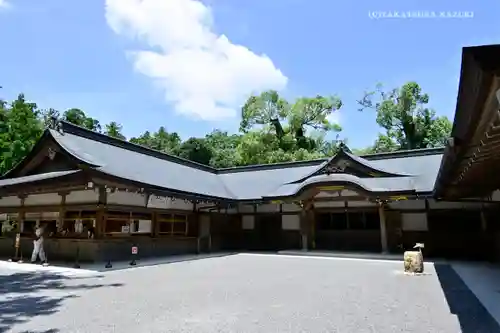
x=371, y=168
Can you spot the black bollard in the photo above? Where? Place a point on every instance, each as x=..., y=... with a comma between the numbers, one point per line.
x=108, y=254
x=134, y=254
x=77, y=257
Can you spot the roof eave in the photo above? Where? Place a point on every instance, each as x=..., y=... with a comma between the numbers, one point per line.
x=348, y=184
x=477, y=62
x=158, y=190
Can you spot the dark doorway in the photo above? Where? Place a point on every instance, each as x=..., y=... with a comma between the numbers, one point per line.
x=348, y=231
x=268, y=232
x=457, y=234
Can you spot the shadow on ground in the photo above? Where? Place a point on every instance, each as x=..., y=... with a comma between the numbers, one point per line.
x=472, y=315
x=20, y=300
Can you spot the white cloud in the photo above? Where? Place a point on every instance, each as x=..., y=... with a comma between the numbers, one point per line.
x=4, y=4
x=203, y=74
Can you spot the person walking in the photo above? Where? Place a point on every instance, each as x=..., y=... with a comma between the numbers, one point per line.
x=38, y=250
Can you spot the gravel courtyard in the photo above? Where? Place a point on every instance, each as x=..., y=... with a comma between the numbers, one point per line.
x=244, y=293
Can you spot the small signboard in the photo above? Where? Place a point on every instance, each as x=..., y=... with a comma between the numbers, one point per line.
x=135, y=250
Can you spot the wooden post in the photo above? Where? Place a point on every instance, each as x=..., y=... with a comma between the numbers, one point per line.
x=99, y=221
x=305, y=224
x=20, y=221
x=102, y=213
x=484, y=221
x=22, y=214
x=155, y=225
x=383, y=227
x=313, y=228
x=203, y=231
x=62, y=211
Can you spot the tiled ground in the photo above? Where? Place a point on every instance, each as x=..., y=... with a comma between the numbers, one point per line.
x=244, y=293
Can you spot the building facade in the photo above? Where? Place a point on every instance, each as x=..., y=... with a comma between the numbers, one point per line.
x=97, y=196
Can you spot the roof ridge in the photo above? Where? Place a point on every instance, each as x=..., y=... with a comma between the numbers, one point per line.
x=271, y=166
x=103, y=138
x=124, y=144
x=404, y=153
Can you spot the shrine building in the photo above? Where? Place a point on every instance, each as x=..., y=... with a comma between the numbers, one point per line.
x=98, y=196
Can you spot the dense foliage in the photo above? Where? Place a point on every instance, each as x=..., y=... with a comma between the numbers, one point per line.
x=272, y=129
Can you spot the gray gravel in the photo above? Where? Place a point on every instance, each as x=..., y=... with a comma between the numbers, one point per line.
x=239, y=293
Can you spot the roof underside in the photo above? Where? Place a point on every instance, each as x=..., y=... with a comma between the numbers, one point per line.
x=7, y=185
x=398, y=172
x=472, y=158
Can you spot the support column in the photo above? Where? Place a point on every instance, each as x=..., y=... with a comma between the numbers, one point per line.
x=484, y=222
x=155, y=226
x=62, y=212
x=101, y=213
x=313, y=229
x=204, y=234
x=21, y=216
x=305, y=225
x=383, y=228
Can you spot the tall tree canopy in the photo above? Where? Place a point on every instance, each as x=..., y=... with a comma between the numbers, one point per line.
x=408, y=122
x=78, y=117
x=21, y=128
x=114, y=130
x=282, y=131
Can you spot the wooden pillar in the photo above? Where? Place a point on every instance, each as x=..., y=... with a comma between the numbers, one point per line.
x=99, y=222
x=22, y=214
x=306, y=224
x=62, y=211
x=484, y=221
x=101, y=212
x=383, y=227
x=313, y=228
x=155, y=226
x=204, y=232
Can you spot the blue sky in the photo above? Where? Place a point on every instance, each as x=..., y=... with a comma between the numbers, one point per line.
x=82, y=54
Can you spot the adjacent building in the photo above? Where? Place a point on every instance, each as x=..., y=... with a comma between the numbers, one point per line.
x=98, y=196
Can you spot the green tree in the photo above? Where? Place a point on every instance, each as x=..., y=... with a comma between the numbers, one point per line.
x=224, y=148
x=162, y=140
x=196, y=150
x=408, y=122
x=78, y=117
x=20, y=130
x=48, y=116
x=271, y=111
x=269, y=108
x=114, y=130
x=275, y=130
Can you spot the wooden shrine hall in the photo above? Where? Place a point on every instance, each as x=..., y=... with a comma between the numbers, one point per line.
x=98, y=196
